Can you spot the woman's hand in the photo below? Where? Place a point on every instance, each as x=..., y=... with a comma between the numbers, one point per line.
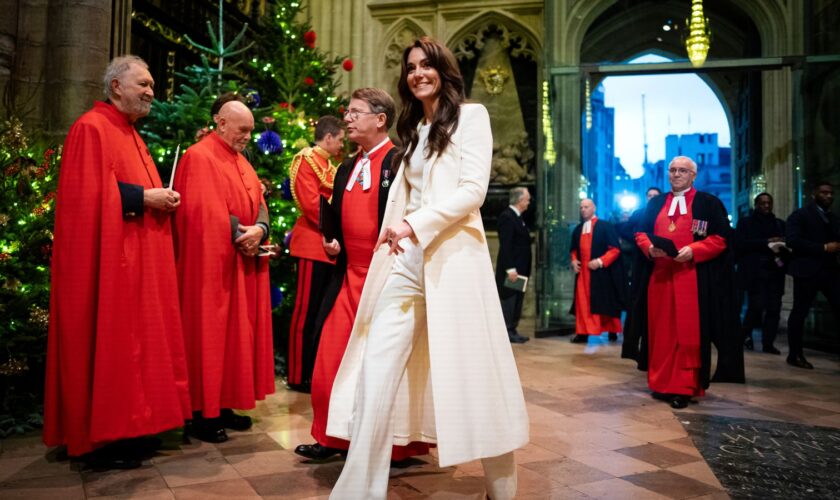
x=392, y=235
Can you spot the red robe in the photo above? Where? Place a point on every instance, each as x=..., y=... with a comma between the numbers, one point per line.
x=586, y=322
x=359, y=215
x=311, y=176
x=225, y=297
x=115, y=354
x=673, y=304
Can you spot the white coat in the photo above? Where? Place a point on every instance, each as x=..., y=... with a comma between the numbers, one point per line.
x=461, y=388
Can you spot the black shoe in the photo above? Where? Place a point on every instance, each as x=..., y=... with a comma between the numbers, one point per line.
x=770, y=349
x=799, y=362
x=304, y=387
x=580, y=339
x=613, y=337
x=233, y=421
x=748, y=343
x=110, y=457
x=517, y=339
x=209, y=430
x=316, y=451
x=678, y=401
x=661, y=396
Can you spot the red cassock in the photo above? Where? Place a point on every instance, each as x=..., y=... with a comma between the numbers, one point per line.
x=225, y=296
x=673, y=304
x=359, y=214
x=311, y=176
x=586, y=322
x=115, y=354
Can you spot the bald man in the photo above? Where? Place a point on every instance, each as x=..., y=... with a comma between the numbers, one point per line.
x=599, y=277
x=686, y=298
x=223, y=277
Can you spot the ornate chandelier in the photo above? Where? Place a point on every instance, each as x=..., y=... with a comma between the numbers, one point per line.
x=699, y=35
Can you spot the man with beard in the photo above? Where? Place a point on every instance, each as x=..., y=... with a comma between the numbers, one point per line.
x=760, y=248
x=686, y=298
x=813, y=233
x=115, y=354
x=225, y=296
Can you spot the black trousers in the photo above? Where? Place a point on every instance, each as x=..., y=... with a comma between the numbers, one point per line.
x=511, y=309
x=804, y=292
x=764, y=304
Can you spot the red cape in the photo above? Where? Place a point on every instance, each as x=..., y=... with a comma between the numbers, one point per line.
x=225, y=296
x=115, y=356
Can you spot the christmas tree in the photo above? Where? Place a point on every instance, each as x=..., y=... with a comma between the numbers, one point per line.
x=289, y=83
x=28, y=178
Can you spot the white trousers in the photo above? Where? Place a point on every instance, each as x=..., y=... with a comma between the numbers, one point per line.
x=399, y=320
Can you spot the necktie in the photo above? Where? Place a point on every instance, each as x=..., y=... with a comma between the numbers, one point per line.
x=361, y=174
x=678, y=201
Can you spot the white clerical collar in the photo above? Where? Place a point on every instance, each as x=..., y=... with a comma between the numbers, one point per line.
x=678, y=201
x=517, y=212
x=375, y=148
x=587, y=226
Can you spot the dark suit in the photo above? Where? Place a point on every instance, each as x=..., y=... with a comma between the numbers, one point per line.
x=813, y=269
x=761, y=273
x=514, y=252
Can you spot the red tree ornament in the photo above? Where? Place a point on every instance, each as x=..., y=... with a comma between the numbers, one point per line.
x=309, y=39
x=309, y=81
x=347, y=64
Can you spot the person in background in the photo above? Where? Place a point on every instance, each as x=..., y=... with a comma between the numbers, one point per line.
x=311, y=176
x=687, y=301
x=599, y=277
x=225, y=295
x=115, y=352
x=760, y=255
x=514, y=259
x=813, y=234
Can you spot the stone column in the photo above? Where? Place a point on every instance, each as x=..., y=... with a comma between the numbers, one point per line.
x=29, y=64
x=80, y=48
x=8, y=39
x=778, y=146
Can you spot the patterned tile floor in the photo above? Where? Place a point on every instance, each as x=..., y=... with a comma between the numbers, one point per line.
x=595, y=433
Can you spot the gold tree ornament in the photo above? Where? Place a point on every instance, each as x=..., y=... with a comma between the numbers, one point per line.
x=698, y=41
x=494, y=79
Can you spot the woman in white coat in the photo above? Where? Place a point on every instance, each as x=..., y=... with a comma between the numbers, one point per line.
x=429, y=357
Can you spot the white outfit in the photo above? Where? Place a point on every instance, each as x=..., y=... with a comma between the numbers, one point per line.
x=429, y=357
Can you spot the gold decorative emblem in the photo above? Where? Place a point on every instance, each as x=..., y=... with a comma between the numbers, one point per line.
x=494, y=79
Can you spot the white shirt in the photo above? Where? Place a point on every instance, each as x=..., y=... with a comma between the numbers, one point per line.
x=414, y=172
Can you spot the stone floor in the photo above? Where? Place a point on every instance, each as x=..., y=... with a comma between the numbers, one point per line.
x=595, y=433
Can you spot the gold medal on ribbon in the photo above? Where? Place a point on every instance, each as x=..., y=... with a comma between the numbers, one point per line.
x=672, y=227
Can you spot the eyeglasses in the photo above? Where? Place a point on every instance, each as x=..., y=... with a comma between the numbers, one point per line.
x=681, y=171
x=353, y=114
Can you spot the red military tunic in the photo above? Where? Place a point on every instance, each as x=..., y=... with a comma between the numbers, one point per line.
x=586, y=322
x=673, y=306
x=225, y=296
x=359, y=214
x=115, y=353
x=311, y=176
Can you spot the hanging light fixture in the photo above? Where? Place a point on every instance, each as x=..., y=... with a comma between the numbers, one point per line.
x=699, y=35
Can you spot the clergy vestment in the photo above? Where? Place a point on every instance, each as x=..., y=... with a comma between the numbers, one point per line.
x=599, y=294
x=115, y=353
x=360, y=213
x=311, y=176
x=684, y=308
x=225, y=297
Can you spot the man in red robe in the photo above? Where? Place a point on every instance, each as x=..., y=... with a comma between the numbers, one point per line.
x=311, y=176
x=115, y=354
x=223, y=277
x=360, y=194
x=687, y=300
x=599, y=276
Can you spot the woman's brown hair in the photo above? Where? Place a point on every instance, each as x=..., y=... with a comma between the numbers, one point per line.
x=449, y=101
